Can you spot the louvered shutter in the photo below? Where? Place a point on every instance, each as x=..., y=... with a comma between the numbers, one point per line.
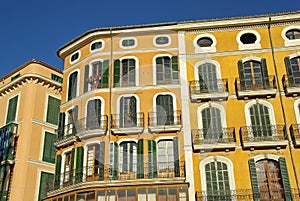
x=176, y=157
x=116, y=72
x=242, y=75
x=265, y=74
x=285, y=179
x=79, y=164
x=105, y=74
x=175, y=78
x=86, y=78
x=101, y=160
x=140, y=159
x=61, y=125
x=254, y=180
x=116, y=162
x=152, y=159
x=72, y=166
x=289, y=70
x=12, y=109
x=133, y=110
x=57, y=172
x=75, y=119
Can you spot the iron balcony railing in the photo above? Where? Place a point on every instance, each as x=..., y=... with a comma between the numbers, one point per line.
x=127, y=120
x=290, y=81
x=164, y=118
x=69, y=131
x=209, y=86
x=213, y=135
x=91, y=123
x=130, y=171
x=248, y=195
x=295, y=131
x=262, y=133
x=253, y=84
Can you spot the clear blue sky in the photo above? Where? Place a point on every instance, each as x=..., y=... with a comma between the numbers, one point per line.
x=37, y=28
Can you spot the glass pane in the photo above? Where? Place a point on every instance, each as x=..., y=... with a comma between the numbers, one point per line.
x=152, y=194
x=182, y=194
x=121, y=195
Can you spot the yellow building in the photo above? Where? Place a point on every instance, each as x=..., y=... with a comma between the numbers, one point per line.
x=29, y=102
x=199, y=110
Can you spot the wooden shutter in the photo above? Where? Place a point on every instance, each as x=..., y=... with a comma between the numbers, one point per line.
x=45, y=182
x=79, y=164
x=176, y=157
x=61, y=125
x=116, y=72
x=116, y=161
x=131, y=72
x=12, y=109
x=152, y=159
x=105, y=74
x=52, y=110
x=133, y=110
x=75, y=119
x=242, y=75
x=254, y=180
x=285, y=179
x=101, y=160
x=72, y=91
x=86, y=78
x=174, y=60
x=265, y=74
x=289, y=70
x=140, y=159
x=49, y=148
x=72, y=165
x=57, y=171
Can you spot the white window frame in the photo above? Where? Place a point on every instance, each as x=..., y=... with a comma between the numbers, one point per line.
x=136, y=69
x=78, y=84
x=85, y=148
x=255, y=45
x=212, y=48
x=79, y=55
x=288, y=42
x=17, y=108
x=215, y=63
x=127, y=140
x=128, y=47
x=99, y=49
x=154, y=65
x=161, y=45
x=207, y=105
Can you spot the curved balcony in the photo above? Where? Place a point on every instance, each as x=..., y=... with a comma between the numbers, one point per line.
x=214, y=139
x=68, y=137
x=263, y=136
x=291, y=85
x=163, y=122
x=131, y=123
x=91, y=126
x=209, y=90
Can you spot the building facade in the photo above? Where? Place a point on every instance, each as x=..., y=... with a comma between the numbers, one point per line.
x=29, y=101
x=199, y=110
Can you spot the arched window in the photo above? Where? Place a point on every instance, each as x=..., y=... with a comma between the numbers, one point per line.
x=293, y=34
x=93, y=117
x=165, y=155
x=164, y=110
x=211, y=122
x=128, y=158
x=128, y=112
x=125, y=72
x=208, y=77
x=260, y=121
x=72, y=85
x=166, y=70
x=293, y=70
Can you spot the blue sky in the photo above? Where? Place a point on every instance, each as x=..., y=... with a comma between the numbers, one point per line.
x=37, y=28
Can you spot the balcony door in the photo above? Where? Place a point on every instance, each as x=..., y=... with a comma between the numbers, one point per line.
x=165, y=156
x=260, y=121
x=208, y=77
x=128, y=116
x=128, y=160
x=295, y=65
x=211, y=122
x=93, y=156
x=93, y=117
x=164, y=110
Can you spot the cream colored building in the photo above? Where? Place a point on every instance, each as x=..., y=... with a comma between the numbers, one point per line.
x=29, y=103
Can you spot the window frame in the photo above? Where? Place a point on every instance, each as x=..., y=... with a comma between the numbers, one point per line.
x=43, y=147
x=136, y=71
x=255, y=45
x=77, y=87
x=155, y=68
x=85, y=156
x=128, y=47
x=46, y=107
x=97, y=49
x=101, y=109
x=18, y=95
x=162, y=45
x=134, y=163
x=174, y=104
x=74, y=61
x=287, y=41
x=211, y=48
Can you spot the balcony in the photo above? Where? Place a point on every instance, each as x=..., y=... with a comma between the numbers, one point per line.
x=256, y=87
x=123, y=175
x=68, y=137
x=295, y=134
x=248, y=195
x=291, y=85
x=222, y=139
x=208, y=90
x=163, y=122
x=131, y=123
x=263, y=136
x=89, y=127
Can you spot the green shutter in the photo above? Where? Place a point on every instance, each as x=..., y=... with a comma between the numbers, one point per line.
x=79, y=164
x=105, y=74
x=72, y=91
x=116, y=72
x=289, y=70
x=101, y=160
x=53, y=110
x=45, y=182
x=140, y=159
x=285, y=179
x=12, y=109
x=72, y=166
x=176, y=157
x=86, y=78
x=133, y=110
x=131, y=72
x=57, y=171
x=49, y=148
x=116, y=162
x=152, y=161
x=242, y=75
x=61, y=125
x=254, y=181
x=75, y=119
x=264, y=67
x=174, y=69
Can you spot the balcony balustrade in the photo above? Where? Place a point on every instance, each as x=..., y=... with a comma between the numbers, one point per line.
x=256, y=87
x=223, y=138
x=263, y=136
x=209, y=90
x=91, y=126
x=295, y=134
x=164, y=122
x=129, y=123
x=68, y=137
x=291, y=85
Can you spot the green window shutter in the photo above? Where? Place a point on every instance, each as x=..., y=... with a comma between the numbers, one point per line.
x=176, y=157
x=105, y=74
x=254, y=180
x=116, y=72
x=289, y=70
x=72, y=166
x=285, y=178
x=12, y=109
x=53, y=110
x=265, y=73
x=174, y=69
x=61, y=125
x=49, y=148
x=75, y=119
x=79, y=164
x=152, y=160
x=133, y=110
x=140, y=159
x=45, y=181
x=131, y=72
x=101, y=160
x=242, y=75
x=86, y=78
x=116, y=162
x=72, y=90
x=57, y=172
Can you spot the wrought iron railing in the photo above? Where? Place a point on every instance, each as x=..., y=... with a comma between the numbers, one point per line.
x=209, y=86
x=290, y=81
x=262, y=133
x=133, y=171
x=128, y=120
x=164, y=119
x=295, y=131
x=213, y=135
x=253, y=83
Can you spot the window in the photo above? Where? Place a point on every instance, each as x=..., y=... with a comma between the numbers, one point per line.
x=12, y=109
x=56, y=78
x=96, y=75
x=164, y=110
x=125, y=72
x=72, y=119
x=93, y=156
x=72, y=85
x=166, y=70
x=248, y=39
x=128, y=43
x=45, y=184
x=165, y=156
x=97, y=45
x=204, y=42
x=208, y=77
x=211, y=122
x=53, y=110
x=128, y=158
x=74, y=57
x=68, y=167
x=162, y=40
x=49, y=148
x=293, y=70
x=128, y=114
x=86, y=196
x=93, y=117
x=293, y=34
x=15, y=77
x=260, y=121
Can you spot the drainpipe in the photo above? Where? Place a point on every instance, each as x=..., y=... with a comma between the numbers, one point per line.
x=110, y=66
x=282, y=106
